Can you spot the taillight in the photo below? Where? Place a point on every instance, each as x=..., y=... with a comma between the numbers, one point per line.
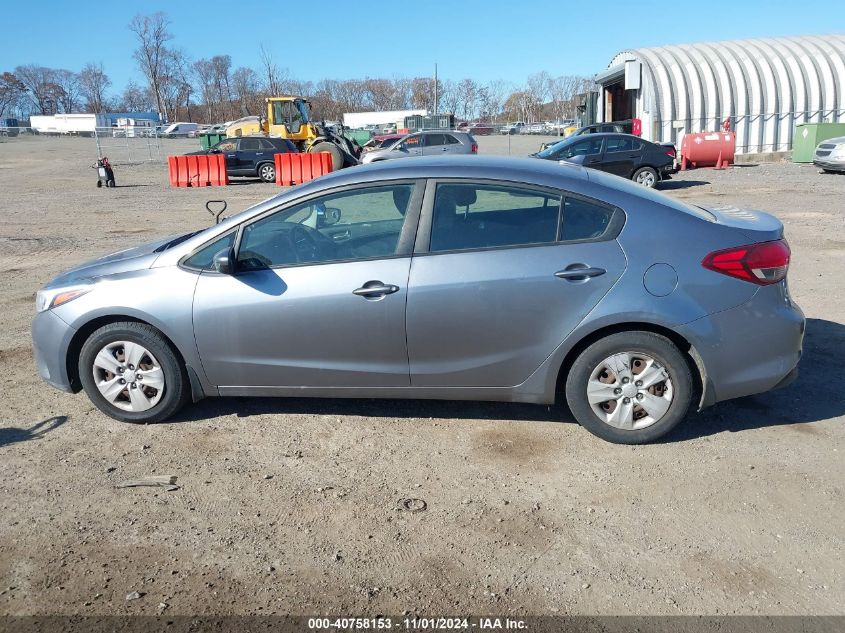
x=474, y=148
x=670, y=152
x=764, y=263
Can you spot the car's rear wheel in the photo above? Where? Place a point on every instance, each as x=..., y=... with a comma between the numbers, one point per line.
x=267, y=172
x=131, y=372
x=645, y=176
x=630, y=387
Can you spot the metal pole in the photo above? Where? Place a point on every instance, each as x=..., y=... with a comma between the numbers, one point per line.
x=435, y=89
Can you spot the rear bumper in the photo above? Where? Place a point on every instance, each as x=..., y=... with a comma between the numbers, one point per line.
x=752, y=348
x=50, y=342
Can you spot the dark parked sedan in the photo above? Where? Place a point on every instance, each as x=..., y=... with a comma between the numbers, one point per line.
x=457, y=278
x=251, y=155
x=624, y=155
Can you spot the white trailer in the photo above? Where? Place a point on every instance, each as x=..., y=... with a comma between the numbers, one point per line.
x=68, y=123
x=356, y=120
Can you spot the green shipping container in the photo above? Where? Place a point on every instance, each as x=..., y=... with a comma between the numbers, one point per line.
x=207, y=140
x=809, y=135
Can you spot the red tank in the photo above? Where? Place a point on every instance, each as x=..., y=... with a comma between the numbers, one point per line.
x=708, y=149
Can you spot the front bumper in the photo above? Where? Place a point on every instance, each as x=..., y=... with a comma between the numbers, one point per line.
x=832, y=165
x=51, y=339
x=748, y=349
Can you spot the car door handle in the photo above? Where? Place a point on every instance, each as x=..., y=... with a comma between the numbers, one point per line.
x=373, y=289
x=579, y=273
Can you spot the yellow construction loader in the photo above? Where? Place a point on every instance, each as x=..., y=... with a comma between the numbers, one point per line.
x=290, y=118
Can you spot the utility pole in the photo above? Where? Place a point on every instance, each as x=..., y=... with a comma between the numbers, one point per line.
x=435, y=89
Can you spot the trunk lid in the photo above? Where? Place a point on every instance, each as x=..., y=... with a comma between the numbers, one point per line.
x=759, y=226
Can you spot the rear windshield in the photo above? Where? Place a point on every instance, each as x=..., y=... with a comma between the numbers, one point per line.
x=630, y=187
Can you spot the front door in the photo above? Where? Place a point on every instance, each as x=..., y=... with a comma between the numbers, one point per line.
x=509, y=273
x=318, y=298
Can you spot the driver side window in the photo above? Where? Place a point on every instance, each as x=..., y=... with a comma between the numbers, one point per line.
x=351, y=225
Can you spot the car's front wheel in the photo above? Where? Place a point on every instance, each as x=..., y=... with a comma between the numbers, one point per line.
x=630, y=387
x=267, y=172
x=131, y=372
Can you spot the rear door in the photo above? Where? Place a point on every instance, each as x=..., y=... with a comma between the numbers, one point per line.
x=501, y=274
x=434, y=144
x=621, y=153
x=248, y=152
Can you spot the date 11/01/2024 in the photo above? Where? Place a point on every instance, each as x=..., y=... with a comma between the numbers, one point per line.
x=418, y=624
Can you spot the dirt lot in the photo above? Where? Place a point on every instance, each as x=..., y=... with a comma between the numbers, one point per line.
x=293, y=506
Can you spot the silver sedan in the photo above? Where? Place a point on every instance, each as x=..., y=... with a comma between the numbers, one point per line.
x=451, y=278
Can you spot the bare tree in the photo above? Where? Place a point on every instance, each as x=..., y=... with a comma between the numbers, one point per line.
x=40, y=86
x=66, y=89
x=448, y=98
x=134, y=98
x=245, y=89
x=12, y=90
x=174, y=83
x=203, y=70
x=93, y=83
x=467, y=96
x=272, y=76
x=222, y=67
x=495, y=92
x=152, y=34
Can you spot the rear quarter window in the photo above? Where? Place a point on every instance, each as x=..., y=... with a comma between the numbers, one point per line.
x=631, y=188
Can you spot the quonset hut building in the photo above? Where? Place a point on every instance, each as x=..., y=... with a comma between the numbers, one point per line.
x=763, y=86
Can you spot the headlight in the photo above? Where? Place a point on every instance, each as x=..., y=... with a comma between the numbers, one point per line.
x=48, y=298
x=838, y=152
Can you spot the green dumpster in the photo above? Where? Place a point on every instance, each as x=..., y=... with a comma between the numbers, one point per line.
x=809, y=135
x=359, y=136
x=207, y=140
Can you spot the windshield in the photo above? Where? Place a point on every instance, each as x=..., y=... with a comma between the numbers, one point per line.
x=554, y=149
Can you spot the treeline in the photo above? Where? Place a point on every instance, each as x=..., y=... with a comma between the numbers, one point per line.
x=210, y=90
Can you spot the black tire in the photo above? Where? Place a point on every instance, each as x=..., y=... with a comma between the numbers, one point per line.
x=331, y=148
x=648, y=176
x=176, y=384
x=267, y=172
x=99, y=184
x=657, y=347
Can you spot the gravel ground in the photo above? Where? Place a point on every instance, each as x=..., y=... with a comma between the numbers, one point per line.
x=295, y=506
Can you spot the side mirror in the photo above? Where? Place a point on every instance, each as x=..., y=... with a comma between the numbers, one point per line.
x=214, y=150
x=224, y=261
x=401, y=148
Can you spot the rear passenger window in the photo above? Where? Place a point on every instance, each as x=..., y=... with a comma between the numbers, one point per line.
x=582, y=220
x=619, y=144
x=249, y=144
x=450, y=140
x=468, y=216
x=432, y=140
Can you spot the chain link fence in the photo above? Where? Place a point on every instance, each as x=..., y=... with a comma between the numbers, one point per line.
x=755, y=133
x=128, y=145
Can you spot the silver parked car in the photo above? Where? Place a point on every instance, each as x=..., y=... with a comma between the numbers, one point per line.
x=426, y=143
x=830, y=155
x=450, y=278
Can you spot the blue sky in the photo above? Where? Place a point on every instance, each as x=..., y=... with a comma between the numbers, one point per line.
x=482, y=40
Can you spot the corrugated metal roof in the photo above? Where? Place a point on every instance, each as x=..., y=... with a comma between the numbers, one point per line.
x=776, y=81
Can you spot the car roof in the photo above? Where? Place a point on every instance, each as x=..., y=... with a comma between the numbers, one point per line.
x=527, y=170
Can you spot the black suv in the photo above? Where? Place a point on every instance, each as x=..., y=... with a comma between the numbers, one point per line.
x=625, y=155
x=251, y=155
